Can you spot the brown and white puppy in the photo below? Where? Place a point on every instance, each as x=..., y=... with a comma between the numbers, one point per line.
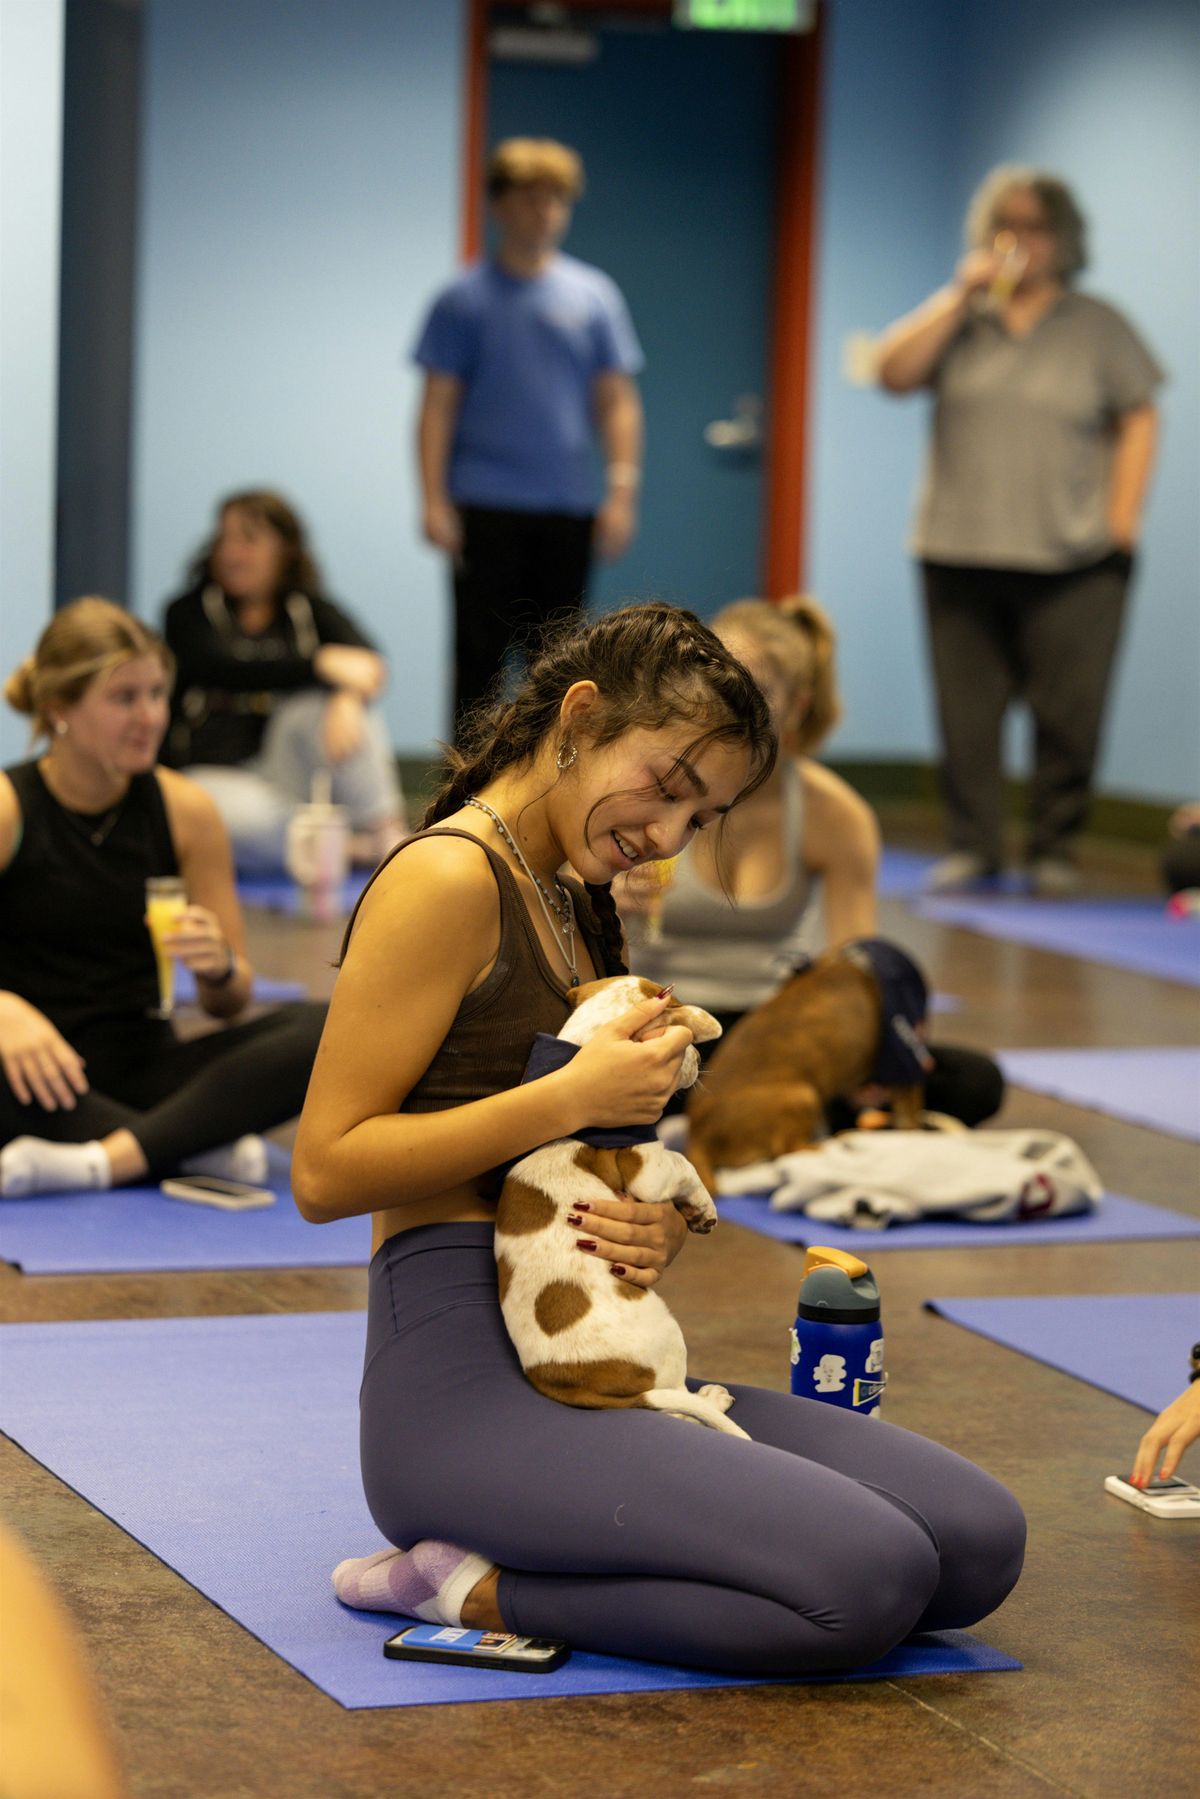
x=583, y=1337
x=850, y=1017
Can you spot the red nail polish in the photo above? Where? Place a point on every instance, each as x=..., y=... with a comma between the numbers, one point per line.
x=618, y=1268
x=581, y=1205
x=584, y=1243
x=665, y=992
x=571, y=1219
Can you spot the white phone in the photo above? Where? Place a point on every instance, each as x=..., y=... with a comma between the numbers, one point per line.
x=208, y=1190
x=1170, y=1498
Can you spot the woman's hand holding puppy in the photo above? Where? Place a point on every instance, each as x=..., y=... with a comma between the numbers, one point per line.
x=628, y=1071
x=638, y=1240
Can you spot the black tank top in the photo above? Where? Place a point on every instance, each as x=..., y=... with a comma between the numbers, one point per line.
x=73, y=939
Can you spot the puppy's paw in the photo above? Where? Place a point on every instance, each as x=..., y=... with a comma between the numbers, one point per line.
x=699, y=1213
x=717, y=1396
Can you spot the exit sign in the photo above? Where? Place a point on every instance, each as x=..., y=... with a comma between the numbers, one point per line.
x=745, y=15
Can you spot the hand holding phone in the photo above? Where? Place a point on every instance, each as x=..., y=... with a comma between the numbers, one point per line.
x=208, y=1190
x=476, y=1648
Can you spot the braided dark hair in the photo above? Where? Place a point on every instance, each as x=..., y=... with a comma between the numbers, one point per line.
x=654, y=665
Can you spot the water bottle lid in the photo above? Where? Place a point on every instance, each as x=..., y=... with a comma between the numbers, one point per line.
x=828, y=1295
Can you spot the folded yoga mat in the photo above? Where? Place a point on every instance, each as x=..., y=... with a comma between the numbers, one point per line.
x=255, y=1497
x=1155, y=1087
x=138, y=1230
x=1132, y=934
x=1135, y=1345
x=277, y=892
x=1117, y=1220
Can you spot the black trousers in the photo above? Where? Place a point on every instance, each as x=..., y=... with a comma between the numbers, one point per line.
x=516, y=572
x=1180, y=863
x=999, y=635
x=181, y=1098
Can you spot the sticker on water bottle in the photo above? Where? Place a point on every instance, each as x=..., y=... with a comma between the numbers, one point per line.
x=795, y=1346
x=829, y=1375
x=867, y=1390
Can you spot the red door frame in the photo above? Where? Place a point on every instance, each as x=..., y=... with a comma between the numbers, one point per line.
x=793, y=285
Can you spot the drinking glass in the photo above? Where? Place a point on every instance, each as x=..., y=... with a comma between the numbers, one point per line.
x=166, y=897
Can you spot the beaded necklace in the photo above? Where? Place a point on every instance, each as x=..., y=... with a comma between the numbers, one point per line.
x=560, y=913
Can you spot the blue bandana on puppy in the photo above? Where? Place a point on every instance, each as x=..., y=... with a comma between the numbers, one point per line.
x=902, y=1059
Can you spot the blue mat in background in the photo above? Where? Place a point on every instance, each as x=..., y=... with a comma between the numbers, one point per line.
x=277, y=892
x=1159, y=1088
x=1134, y=1345
x=903, y=873
x=1118, y=1220
x=1133, y=934
x=138, y=1230
x=258, y=1498
x=263, y=989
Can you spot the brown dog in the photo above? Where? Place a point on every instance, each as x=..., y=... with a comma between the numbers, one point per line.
x=851, y=1017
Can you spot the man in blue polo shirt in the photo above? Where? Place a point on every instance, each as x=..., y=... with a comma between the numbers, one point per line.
x=529, y=360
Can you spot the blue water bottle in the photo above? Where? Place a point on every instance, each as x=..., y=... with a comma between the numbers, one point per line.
x=837, y=1339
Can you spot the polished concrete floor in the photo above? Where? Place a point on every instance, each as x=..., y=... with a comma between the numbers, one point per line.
x=1106, y=1618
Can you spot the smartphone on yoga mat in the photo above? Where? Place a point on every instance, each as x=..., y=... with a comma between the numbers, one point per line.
x=208, y=1190
x=1170, y=1498
x=476, y=1649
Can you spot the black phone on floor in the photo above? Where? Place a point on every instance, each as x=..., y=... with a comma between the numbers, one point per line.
x=476, y=1648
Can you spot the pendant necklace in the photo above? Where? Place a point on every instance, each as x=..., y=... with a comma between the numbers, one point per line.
x=560, y=913
x=97, y=829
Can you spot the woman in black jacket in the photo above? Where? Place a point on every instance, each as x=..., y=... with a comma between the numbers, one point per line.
x=274, y=686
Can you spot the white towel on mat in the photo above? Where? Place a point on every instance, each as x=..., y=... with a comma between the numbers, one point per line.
x=870, y=1179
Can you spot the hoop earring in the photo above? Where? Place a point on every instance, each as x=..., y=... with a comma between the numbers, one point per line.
x=567, y=756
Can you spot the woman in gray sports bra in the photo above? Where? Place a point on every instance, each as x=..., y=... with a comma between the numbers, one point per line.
x=729, y=947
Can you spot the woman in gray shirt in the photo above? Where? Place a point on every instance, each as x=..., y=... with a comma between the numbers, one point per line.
x=1040, y=454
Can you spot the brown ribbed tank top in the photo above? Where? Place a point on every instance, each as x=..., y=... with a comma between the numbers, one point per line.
x=488, y=1044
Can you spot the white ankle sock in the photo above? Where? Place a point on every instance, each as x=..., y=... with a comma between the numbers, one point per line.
x=245, y=1160
x=35, y=1165
x=430, y=1581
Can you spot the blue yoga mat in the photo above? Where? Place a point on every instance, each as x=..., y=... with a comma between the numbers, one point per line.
x=903, y=873
x=263, y=989
x=1135, y=1345
x=277, y=892
x=1133, y=934
x=1155, y=1087
x=138, y=1230
x=1118, y=1219
x=229, y=1447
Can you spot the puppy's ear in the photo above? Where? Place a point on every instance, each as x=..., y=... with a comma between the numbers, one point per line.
x=701, y=1024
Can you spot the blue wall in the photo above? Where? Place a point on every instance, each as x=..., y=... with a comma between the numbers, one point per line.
x=300, y=199
x=920, y=101
x=31, y=55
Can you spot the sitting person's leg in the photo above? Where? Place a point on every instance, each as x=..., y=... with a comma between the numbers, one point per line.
x=214, y=1090
x=364, y=781
x=966, y=1084
x=1180, y=863
x=255, y=812
x=636, y=1534
x=61, y=1151
x=195, y=1107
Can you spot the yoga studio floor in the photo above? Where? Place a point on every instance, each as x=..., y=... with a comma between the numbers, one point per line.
x=1104, y=1620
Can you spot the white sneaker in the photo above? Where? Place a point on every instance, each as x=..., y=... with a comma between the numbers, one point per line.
x=959, y=869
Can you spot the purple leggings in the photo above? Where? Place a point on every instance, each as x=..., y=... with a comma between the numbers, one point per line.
x=816, y=1547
